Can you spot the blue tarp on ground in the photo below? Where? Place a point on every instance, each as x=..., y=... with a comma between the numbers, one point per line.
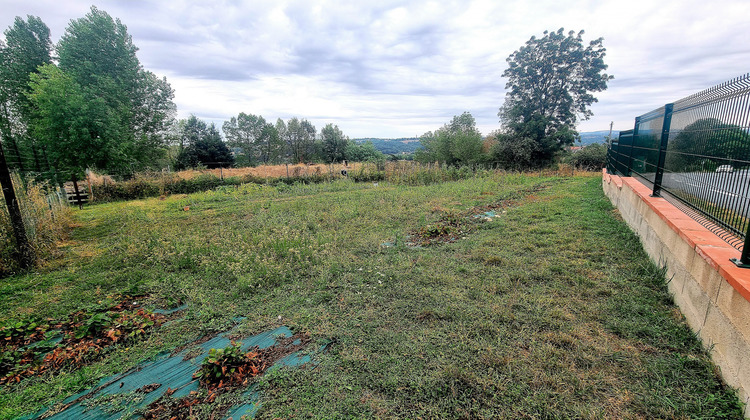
x=116, y=396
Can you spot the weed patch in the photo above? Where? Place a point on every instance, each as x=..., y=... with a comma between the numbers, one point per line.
x=452, y=226
x=47, y=221
x=32, y=348
x=224, y=370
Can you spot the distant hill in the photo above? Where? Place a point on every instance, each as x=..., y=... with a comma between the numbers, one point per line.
x=393, y=146
x=590, y=137
x=409, y=145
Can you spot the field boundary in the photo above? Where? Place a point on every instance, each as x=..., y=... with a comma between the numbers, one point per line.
x=712, y=293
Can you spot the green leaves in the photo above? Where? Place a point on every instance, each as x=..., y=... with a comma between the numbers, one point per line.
x=221, y=364
x=258, y=139
x=73, y=125
x=97, y=50
x=203, y=146
x=704, y=145
x=334, y=143
x=93, y=326
x=550, y=85
x=99, y=108
x=30, y=348
x=19, y=330
x=299, y=138
x=591, y=158
x=362, y=152
x=28, y=46
x=456, y=143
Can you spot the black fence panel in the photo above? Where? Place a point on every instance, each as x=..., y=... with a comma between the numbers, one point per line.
x=618, y=156
x=698, y=151
x=646, y=144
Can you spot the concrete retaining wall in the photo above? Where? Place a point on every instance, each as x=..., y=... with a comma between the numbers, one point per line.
x=712, y=293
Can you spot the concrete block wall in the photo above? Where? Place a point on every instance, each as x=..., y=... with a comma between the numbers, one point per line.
x=712, y=293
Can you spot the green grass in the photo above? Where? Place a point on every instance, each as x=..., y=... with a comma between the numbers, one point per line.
x=551, y=310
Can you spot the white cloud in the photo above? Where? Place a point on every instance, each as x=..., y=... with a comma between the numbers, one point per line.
x=398, y=68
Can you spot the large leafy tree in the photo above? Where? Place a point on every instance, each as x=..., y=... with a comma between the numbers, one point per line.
x=73, y=126
x=118, y=106
x=98, y=52
x=550, y=86
x=191, y=130
x=258, y=139
x=27, y=47
x=152, y=118
x=516, y=153
x=456, y=143
x=333, y=143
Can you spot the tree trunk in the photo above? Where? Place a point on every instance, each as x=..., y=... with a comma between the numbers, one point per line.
x=25, y=256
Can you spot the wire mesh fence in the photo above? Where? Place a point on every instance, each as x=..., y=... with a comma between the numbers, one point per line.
x=697, y=150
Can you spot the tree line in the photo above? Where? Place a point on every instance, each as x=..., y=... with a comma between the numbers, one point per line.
x=551, y=81
x=92, y=104
x=87, y=102
x=250, y=140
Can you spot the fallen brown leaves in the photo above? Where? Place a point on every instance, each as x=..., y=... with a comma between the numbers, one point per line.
x=255, y=362
x=80, y=340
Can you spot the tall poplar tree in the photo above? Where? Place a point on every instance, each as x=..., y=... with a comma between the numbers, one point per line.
x=115, y=115
x=27, y=47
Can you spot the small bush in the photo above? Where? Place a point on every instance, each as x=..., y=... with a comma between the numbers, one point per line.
x=590, y=158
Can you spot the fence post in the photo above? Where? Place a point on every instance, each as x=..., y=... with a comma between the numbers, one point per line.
x=88, y=181
x=744, y=260
x=662, y=149
x=76, y=191
x=25, y=256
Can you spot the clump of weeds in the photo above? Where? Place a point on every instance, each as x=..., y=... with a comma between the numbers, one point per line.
x=224, y=371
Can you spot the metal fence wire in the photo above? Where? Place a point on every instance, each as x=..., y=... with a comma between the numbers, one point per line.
x=697, y=150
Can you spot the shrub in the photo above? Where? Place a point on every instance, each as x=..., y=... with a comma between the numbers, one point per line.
x=203, y=182
x=590, y=158
x=519, y=153
x=46, y=217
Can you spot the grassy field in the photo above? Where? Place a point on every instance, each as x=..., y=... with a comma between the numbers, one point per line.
x=262, y=171
x=550, y=310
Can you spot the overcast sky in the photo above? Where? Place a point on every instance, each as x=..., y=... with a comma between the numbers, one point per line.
x=400, y=68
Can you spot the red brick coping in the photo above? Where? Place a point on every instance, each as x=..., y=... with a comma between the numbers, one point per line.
x=705, y=243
